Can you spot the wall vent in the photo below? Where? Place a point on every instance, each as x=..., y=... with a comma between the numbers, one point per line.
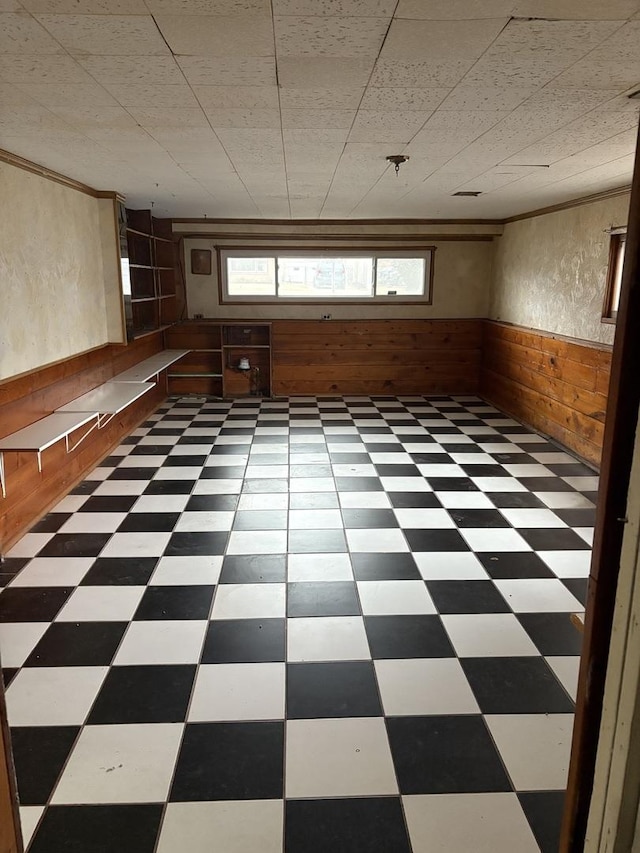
x=468, y=193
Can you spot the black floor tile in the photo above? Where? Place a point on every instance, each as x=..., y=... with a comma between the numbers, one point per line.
x=120, y=571
x=51, y=522
x=245, y=641
x=78, y=644
x=10, y=567
x=254, y=568
x=75, y=545
x=98, y=829
x=180, y=460
x=87, y=487
x=485, y=470
x=170, y=487
x=150, y=450
x=384, y=567
x=108, y=503
x=193, y=544
x=400, y=470
x=142, y=473
x=370, y=825
x=144, y=694
x=445, y=755
x=371, y=519
x=545, y=484
x=337, y=689
x=8, y=674
x=572, y=469
x=478, y=518
x=554, y=539
x=435, y=540
x=212, y=503
x=411, y=500
x=407, y=637
x=175, y=602
x=317, y=542
x=523, y=685
x=149, y=522
x=39, y=754
x=514, y=564
x=578, y=587
x=515, y=500
x=553, y=633
x=452, y=484
x=230, y=449
x=577, y=517
x=358, y=484
x=223, y=472
x=337, y=598
x=32, y=603
x=467, y=597
x=230, y=761
x=544, y=813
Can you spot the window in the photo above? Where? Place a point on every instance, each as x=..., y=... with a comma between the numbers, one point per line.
x=617, y=245
x=255, y=275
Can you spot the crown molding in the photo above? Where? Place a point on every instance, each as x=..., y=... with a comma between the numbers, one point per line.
x=567, y=205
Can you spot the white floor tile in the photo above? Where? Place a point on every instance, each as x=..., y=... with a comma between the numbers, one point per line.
x=567, y=564
x=141, y=462
x=528, y=470
x=424, y=686
x=464, y=500
x=257, y=542
x=120, y=487
x=450, y=565
x=93, y=522
x=267, y=471
x=176, y=472
x=583, y=484
x=160, y=503
x=29, y=818
x=498, y=484
x=18, y=640
x=249, y=601
x=101, y=604
x=338, y=758
x=218, y=460
x=444, y=470
x=29, y=545
x=224, y=486
x=315, y=519
x=312, y=484
x=532, y=518
x=494, y=539
x=187, y=571
x=564, y=500
x=405, y=484
x=388, y=540
x=121, y=764
x=482, y=823
x=424, y=518
x=586, y=533
x=240, y=826
x=534, y=747
x=242, y=691
x=327, y=638
x=162, y=642
x=71, y=503
x=268, y=500
x=382, y=598
x=53, y=571
x=354, y=470
x=488, y=635
x=194, y=521
x=319, y=567
x=136, y=545
x=566, y=668
x=53, y=695
x=538, y=595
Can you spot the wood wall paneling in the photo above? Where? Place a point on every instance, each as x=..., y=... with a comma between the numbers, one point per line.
x=376, y=357
x=555, y=385
x=27, y=398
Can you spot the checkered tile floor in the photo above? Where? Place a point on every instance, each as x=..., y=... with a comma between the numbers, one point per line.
x=305, y=625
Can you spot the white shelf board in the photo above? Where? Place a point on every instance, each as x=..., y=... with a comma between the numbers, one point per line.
x=43, y=433
x=110, y=398
x=143, y=371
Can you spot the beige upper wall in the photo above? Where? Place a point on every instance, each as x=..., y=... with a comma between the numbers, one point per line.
x=550, y=270
x=461, y=281
x=53, y=252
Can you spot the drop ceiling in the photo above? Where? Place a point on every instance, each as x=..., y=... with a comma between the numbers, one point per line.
x=288, y=108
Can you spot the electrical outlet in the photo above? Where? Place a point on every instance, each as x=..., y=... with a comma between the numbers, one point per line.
x=326, y=317
x=198, y=316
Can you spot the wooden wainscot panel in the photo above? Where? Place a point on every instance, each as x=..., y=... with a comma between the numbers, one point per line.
x=555, y=385
x=376, y=356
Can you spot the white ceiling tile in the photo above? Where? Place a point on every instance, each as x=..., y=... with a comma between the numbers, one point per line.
x=150, y=95
x=86, y=7
x=221, y=36
x=22, y=34
x=321, y=99
x=604, y=74
x=82, y=116
x=42, y=69
x=502, y=70
x=307, y=119
x=169, y=116
x=238, y=97
x=340, y=8
x=244, y=118
x=394, y=126
x=229, y=71
x=69, y=94
x=532, y=39
x=314, y=36
x=323, y=72
x=428, y=74
x=447, y=125
x=403, y=98
x=10, y=6
x=334, y=137
x=623, y=45
x=441, y=10
x=411, y=41
x=205, y=7
x=116, y=70
x=465, y=97
x=582, y=10
x=13, y=95
x=106, y=35
x=34, y=119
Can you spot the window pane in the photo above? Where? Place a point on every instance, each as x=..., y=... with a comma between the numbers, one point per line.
x=247, y=276
x=325, y=277
x=400, y=277
x=617, y=276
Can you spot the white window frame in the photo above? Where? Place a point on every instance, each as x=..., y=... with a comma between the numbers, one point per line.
x=423, y=252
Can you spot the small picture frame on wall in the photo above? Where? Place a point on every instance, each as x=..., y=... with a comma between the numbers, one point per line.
x=201, y=261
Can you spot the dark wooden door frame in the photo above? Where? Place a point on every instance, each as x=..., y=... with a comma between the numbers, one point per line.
x=10, y=834
x=619, y=437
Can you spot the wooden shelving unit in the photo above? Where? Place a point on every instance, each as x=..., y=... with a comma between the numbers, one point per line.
x=216, y=349
x=152, y=271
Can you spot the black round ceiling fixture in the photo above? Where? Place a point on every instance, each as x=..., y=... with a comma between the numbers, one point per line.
x=397, y=160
